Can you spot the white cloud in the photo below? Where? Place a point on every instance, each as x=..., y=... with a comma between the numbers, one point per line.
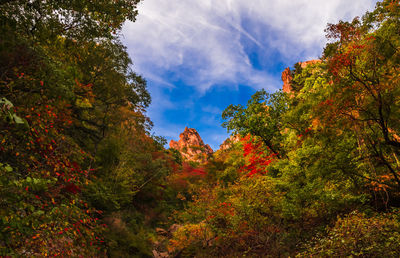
x=201, y=42
x=298, y=25
x=205, y=43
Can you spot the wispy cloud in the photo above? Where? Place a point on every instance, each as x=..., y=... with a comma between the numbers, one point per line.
x=201, y=42
x=211, y=43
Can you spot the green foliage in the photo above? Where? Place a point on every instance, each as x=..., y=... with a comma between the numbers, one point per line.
x=359, y=235
x=127, y=236
x=81, y=176
x=81, y=20
x=75, y=148
x=8, y=113
x=321, y=152
x=261, y=118
x=160, y=141
x=177, y=155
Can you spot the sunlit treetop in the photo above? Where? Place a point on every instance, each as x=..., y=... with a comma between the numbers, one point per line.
x=76, y=19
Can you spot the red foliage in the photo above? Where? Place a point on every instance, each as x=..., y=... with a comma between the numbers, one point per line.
x=183, y=175
x=256, y=156
x=44, y=151
x=343, y=31
x=72, y=188
x=189, y=171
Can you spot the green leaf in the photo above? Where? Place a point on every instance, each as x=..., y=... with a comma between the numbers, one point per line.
x=18, y=120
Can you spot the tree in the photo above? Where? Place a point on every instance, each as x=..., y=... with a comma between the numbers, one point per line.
x=362, y=63
x=261, y=117
x=71, y=87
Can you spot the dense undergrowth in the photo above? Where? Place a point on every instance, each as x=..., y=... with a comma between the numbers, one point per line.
x=315, y=173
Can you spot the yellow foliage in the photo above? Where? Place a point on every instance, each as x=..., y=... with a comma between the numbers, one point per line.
x=190, y=234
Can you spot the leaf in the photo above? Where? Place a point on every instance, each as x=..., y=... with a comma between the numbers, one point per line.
x=17, y=119
x=8, y=168
x=6, y=102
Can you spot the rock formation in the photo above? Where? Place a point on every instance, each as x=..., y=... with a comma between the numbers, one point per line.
x=229, y=142
x=191, y=146
x=287, y=79
x=309, y=62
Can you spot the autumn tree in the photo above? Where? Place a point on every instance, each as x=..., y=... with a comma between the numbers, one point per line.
x=261, y=117
x=333, y=185
x=362, y=63
x=67, y=92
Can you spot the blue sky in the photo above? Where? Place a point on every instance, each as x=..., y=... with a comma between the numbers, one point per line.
x=199, y=56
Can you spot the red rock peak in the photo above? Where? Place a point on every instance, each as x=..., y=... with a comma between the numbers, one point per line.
x=191, y=146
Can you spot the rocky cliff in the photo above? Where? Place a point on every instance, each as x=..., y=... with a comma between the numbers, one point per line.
x=229, y=142
x=191, y=146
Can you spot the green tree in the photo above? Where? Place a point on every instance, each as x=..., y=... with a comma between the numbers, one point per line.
x=261, y=117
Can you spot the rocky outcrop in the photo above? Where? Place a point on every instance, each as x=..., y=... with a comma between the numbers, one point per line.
x=229, y=142
x=191, y=146
x=160, y=247
x=309, y=62
x=287, y=75
x=287, y=79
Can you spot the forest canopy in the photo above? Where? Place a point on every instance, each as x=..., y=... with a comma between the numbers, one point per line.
x=309, y=171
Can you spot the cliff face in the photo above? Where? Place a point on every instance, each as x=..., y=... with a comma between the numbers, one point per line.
x=229, y=142
x=191, y=146
x=287, y=79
